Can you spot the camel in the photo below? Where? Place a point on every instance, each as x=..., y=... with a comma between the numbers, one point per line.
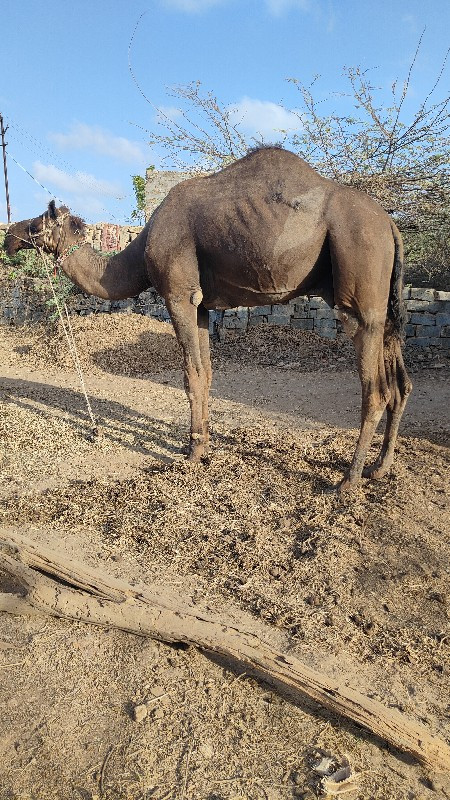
x=263, y=230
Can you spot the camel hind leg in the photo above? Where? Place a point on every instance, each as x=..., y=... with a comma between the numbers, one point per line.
x=375, y=394
x=400, y=388
x=205, y=355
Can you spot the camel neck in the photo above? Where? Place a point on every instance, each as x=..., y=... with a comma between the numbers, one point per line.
x=113, y=277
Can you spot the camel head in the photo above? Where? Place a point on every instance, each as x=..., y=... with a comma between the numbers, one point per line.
x=54, y=231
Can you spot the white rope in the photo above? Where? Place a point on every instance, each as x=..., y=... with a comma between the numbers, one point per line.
x=68, y=330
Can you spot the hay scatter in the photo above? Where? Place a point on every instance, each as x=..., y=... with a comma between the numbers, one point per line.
x=261, y=526
x=137, y=346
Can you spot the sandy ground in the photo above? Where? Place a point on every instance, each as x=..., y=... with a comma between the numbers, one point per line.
x=358, y=585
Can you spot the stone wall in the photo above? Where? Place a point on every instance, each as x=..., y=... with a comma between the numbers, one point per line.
x=428, y=314
x=105, y=236
x=157, y=185
x=428, y=318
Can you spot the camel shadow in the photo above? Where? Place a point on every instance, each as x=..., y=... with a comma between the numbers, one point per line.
x=326, y=392
x=120, y=424
x=134, y=430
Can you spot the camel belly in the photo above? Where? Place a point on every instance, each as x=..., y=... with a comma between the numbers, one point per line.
x=256, y=252
x=228, y=282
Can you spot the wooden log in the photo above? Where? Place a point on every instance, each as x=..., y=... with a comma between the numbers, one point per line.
x=57, y=585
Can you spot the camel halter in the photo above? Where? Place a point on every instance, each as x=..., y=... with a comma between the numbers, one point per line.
x=46, y=234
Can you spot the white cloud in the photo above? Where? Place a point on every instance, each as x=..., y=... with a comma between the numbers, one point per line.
x=410, y=22
x=88, y=207
x=100, y=141
x=192, y=6
x=263, y=117
x=171, y=112
x=80, y=183
x=278, y=7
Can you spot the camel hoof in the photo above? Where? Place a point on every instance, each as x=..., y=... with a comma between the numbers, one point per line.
x=194, y=457
x=375, y=472
x=346, y=485
x=197, y=453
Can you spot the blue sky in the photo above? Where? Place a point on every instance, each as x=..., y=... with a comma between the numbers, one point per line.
x=79, y=124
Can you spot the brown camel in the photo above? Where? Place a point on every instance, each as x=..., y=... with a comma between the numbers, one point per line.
x=264, y=230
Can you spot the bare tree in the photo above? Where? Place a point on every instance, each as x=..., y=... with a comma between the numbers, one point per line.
x=400, y=159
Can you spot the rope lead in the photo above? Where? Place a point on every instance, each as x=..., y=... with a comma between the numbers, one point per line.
x=67, y=328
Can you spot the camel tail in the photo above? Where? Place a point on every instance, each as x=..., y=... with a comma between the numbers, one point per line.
x=396, y=307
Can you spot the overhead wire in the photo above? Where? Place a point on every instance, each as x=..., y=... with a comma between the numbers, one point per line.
x=38, y=147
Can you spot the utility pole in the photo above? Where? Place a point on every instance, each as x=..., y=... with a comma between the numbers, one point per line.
x=2, y=133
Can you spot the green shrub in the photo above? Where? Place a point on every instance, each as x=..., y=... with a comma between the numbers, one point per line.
x=27, y=270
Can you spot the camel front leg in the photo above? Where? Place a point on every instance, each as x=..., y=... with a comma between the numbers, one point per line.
x=368, y=341
x=196, y=375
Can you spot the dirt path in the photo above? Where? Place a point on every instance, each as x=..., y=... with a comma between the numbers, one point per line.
x=359, y=585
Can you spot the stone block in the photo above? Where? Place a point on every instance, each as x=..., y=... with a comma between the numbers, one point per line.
x=278, y=319
x=410, y=330
x=444, y=296
x=154, y=310
x=158, y=312
x=443, y=318
x=324, y=324
x=406, y=293
x=281, y=310
x=234, y=323
x=445, y=330
x=317, y=302
x=418, y=341
x=423, y=294
x=258, y=310
x=430, y=331
x=303, y=324
x=258, y=319
x=429, y=307
x=422, y=318
x=236, y=313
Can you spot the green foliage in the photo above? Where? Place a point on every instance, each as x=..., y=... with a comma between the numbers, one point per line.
x=138, y=213
x=27, y=270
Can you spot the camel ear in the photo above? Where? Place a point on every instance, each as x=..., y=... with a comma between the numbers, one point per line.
x=52, y=210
